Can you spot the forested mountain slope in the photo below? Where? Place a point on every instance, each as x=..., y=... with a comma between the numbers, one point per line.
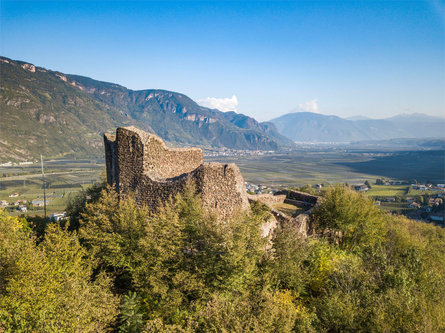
x=51, y=113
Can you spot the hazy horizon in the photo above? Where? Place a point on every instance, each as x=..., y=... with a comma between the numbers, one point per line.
x=263, y=59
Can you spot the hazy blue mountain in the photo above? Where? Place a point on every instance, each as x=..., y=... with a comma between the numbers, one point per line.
x=53, y=113
x=415, y=117
x=314, y=127
x=358, y=118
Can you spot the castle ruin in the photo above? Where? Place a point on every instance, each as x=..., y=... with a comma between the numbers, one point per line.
x=140, y=163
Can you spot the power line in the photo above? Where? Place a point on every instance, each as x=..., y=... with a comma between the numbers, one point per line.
x=44, y=185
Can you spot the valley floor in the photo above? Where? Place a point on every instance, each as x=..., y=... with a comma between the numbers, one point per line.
x=268, y=171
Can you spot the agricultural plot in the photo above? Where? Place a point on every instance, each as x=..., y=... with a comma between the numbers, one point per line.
x=397, y=207
x=409, y=165
x=330, y=166
x=414, y=193
x=298, y=168
x=388, y=190
x=63, y=178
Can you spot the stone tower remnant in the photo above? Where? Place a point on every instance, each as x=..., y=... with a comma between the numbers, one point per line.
x=139, y=162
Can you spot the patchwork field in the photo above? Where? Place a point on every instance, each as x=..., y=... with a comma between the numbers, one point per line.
x=63, y=178
x=422, y=166
x=398, y=207
x=299, y=168
x=337, y=165
x=388, y=190
x=66, y=177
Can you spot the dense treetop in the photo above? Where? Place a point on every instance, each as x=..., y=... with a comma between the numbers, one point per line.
x=120, y=267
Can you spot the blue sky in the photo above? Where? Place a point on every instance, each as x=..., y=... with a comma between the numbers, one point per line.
x=262, y=58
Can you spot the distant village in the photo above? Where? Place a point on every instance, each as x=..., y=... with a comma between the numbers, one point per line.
x=427, y=204
x=422, y=202
x=226, y=152
x=24, y=206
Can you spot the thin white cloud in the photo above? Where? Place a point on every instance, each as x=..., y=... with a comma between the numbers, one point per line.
x=311, y=106
x=222, y=104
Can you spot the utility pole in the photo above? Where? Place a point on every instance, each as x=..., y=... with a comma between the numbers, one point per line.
x=44, y=191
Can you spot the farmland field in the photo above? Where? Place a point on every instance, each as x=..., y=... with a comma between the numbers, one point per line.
x=408, y=165
x=298, y=168
x=398, y=207
x=337, y=165
x=388, y=190
x=63, y=179
x=325, y=166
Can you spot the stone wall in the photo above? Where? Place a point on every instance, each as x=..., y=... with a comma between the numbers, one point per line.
x=222, y=188
x=111, y=158
x=302, y=222
x=139, y=162
x=300, y=197
x=268, y=199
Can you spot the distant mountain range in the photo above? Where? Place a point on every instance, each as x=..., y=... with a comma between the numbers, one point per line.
x=55, y=114
x=314, y=127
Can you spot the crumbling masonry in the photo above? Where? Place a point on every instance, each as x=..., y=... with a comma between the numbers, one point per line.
x=139, y=162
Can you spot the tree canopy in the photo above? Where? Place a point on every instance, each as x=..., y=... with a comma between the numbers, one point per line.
x=124, y=268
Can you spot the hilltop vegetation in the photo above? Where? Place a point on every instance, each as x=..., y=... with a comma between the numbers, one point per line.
x=51, y=113
x=120, y=267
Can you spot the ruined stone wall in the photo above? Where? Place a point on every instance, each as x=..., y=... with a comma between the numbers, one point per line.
x=161, y=162
x=268, y=199
x=154, y=193
x=221, y=187
x=130, y=159
x=110, y=158
x=218, y=185
x=140, y=163
x=302, y=222
x=300, y=197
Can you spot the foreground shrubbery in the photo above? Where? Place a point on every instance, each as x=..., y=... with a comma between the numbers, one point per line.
x=181, y=270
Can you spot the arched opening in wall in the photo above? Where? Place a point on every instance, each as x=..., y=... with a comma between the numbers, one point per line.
x=133, y=142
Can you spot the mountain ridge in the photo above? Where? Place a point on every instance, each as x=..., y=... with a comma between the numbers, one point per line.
x=315, y=127
x=52, y=113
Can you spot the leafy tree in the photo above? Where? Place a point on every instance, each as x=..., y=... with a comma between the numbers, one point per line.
x=48, y=287
x=131, y=314
x=176, y=256
x=289, y=262
x=77, y=203
x=349, y=218
x=379, y=286
x=181, y=269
